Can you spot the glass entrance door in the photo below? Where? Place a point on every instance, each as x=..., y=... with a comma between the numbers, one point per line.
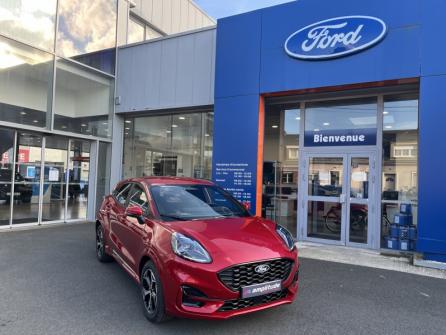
x=54, y=180
x=79, y=174
x=43, y=178
x=27, y=180
x=339, y=198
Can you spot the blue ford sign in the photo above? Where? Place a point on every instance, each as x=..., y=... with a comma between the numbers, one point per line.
x=336, y=37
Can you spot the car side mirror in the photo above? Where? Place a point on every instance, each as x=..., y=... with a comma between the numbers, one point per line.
x=135, y=212
x=246, y=205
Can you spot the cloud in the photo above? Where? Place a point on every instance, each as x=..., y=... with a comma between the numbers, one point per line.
x=89, y=26
x=30, y=21
x=66, y=45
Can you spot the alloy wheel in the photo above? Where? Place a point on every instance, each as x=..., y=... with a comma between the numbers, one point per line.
x=149, y=291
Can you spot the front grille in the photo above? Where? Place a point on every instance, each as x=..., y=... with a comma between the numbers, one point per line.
x=232, y=305
x=244, y=275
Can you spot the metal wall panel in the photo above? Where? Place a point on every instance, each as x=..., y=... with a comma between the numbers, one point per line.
x=157, y=14
x=191, y=16
x=147, y=10
x=138, y=7
x=169, y=73
x=184, y=14
x=167, y=16
x=169, y=51
x=172, y=16
x=184, y=84
x=176, y=16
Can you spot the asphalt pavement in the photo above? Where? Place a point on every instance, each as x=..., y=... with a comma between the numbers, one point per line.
x=51, y=283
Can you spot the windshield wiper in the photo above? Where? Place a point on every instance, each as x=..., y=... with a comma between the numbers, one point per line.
x=173, y=217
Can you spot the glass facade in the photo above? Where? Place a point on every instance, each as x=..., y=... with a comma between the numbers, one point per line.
x=55, y=167
x=7, y=137
x=83, y=100
x=51, y=177
x=26, y=76
x=57, y=62
x=208, y=142
x=78, y=179
x=168, y=145
x=339, y=175
x=400, y=157
x=281, y=165
x=347, y=114
x=87, y=32
x=29, y=21
x=27, y=178
x=103, y=172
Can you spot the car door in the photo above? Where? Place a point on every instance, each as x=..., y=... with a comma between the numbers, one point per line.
x=135, y=235
x=116, y=210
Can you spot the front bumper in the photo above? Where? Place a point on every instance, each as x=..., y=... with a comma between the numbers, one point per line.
x=195, y=291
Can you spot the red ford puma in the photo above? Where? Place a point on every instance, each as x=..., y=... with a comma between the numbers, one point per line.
x=194, y=250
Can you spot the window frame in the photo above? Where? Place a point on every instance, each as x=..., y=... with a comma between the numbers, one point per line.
x=148, y=212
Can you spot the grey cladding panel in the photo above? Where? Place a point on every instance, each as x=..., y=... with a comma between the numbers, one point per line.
x=203, y=64
x=185, y=73
x=169, y=73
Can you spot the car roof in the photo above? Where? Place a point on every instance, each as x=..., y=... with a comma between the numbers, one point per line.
x=168, y=181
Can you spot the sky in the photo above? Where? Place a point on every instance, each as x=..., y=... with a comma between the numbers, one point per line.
x=222, y=8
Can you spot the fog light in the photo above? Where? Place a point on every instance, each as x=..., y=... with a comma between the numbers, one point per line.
x=192, y=297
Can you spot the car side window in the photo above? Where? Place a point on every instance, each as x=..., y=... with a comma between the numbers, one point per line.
x=138, y=197
x=122, y=193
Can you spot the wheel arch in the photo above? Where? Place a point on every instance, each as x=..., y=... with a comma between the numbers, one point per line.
x=148, y=256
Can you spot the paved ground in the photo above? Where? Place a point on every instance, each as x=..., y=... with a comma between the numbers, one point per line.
x=51, y=283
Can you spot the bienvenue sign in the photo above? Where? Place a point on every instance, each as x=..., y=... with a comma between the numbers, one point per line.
x=344, y=137
x=335, y=37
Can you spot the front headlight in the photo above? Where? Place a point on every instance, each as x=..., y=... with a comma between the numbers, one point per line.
x=189, y=249
x=286, y=236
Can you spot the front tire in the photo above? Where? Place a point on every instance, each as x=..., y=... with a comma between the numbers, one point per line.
x=100, y=246
x=152, y=294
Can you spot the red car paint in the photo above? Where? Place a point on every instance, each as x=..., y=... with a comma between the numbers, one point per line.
x=229, y=242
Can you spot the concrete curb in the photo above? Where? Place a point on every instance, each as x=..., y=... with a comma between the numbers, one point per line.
x=367, y=258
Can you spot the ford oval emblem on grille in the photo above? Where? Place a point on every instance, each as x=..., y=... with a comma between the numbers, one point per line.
x=262, y=268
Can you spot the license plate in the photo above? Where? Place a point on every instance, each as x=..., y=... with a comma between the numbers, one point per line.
x=261, y=289
x=15, y=193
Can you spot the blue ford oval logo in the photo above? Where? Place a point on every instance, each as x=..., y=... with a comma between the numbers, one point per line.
x=262, y=268
x=336, y=37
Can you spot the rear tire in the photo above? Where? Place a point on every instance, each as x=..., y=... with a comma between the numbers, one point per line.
x=100, y=246
x=152, y=294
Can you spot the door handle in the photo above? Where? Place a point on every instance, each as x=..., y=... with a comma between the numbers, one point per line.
x=342, y=198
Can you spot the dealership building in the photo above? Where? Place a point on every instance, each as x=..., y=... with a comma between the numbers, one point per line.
x=324, y=116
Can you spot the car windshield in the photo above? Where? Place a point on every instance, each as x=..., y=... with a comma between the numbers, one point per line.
x=193, y=202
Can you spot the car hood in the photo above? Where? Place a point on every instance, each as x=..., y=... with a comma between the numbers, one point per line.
x=235, y=240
